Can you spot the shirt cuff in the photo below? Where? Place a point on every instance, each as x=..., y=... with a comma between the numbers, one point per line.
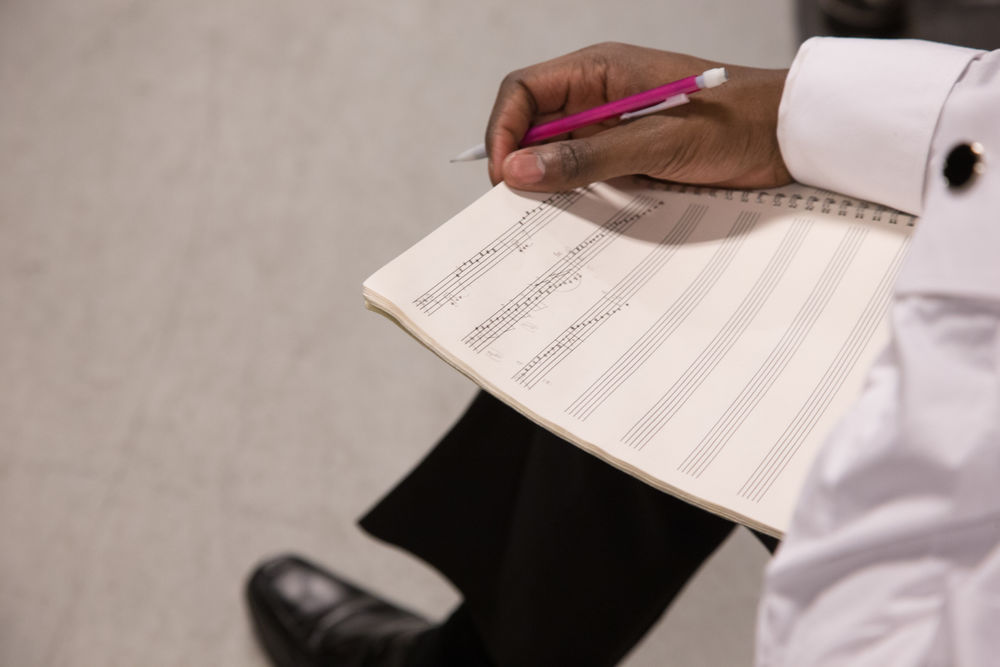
x=857, y=116
x=954, y=248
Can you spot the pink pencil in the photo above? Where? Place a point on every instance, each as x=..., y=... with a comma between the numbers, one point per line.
x=642, y=103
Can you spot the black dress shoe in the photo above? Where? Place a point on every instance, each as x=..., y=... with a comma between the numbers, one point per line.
x=305, y=616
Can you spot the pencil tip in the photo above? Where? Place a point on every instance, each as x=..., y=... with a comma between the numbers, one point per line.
x=474, y=153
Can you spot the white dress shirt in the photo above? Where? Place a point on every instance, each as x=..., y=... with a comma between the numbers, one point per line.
x=893, y=555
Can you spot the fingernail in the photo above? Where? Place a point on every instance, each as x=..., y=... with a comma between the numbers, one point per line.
x=526, y=168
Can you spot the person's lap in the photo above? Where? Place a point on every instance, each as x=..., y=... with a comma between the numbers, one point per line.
x=560, y=558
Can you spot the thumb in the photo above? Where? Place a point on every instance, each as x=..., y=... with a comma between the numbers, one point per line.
x=564, y=165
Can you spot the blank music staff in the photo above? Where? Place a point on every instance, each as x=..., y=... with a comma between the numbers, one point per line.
x=698, y=460
x=563, y=272
x=672, y=318
x=613, y=301
x=774, y=462
x=639, y=435
x=513, y=239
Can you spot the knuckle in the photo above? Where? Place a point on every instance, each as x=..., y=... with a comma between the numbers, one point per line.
x=512, y=79
x=609, y=45
x=514, y=89
x=574, y=157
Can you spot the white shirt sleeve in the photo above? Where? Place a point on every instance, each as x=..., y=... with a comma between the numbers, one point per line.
x=833, y=128
x=893, y=554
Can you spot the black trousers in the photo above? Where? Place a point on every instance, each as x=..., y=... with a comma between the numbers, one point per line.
x=561, y=558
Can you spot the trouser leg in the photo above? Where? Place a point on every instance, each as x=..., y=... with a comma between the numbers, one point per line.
x=561, y=558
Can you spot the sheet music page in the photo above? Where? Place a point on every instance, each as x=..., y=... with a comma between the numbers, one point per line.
x=703, y=340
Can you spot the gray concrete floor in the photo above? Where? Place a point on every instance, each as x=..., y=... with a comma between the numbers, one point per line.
x=191, y=193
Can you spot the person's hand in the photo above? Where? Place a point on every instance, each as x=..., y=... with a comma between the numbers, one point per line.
x=725, y=136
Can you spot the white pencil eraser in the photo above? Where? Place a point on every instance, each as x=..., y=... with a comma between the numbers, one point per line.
x=715, y=77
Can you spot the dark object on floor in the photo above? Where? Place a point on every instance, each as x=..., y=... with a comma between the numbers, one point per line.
x=305, y=616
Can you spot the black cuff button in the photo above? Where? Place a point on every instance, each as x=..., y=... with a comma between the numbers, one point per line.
x=963, y=164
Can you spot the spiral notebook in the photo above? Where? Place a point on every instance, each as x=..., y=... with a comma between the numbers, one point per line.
x=703, y=340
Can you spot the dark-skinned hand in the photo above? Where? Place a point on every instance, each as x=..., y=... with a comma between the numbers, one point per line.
x=725, y=136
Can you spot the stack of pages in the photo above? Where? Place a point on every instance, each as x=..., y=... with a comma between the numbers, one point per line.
x=704, y=340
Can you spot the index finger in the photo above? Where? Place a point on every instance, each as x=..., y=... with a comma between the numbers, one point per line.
x=537, y=93
x=512, y=114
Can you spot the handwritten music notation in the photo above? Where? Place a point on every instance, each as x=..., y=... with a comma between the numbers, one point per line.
x=565, y=271
x=707, y=339
x=515, y=238
x=611, y=302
